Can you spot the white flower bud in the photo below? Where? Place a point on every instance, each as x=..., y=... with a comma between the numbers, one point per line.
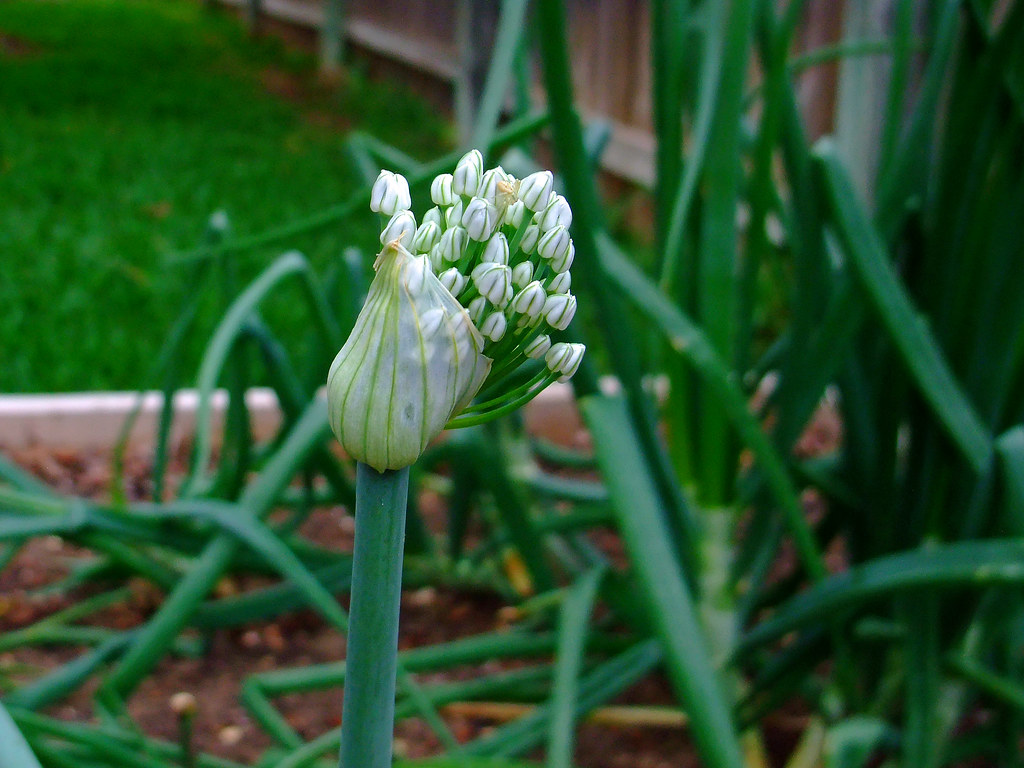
x=538, y=347
x=563, y=261
x=493, y=281
x=426, y=237
x=494, y=326
x=480, y=219
x=434, y=215
x=453, y=215
x=522, y=274
x=514, y=214
x=560, y=283
x=564, y=359
x=525, y=321
x=535, y=190
x=390, y=194
x=468, y=172
x=431, y=321
x=477, y=309
x=441, y=189
x=559, y=309
x=530, y=238
x=488, y=188
x=417, y=273
x=437, y=259
x=413, y=360
x=553, y=243
x=453, y=280
x=531, y=300
x=453, y=243
x=401, y=226
x=557, y=213
x=496, y=250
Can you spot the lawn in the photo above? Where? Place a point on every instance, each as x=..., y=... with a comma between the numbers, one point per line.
x=123, y=125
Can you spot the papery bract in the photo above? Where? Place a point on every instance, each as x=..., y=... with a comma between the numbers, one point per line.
x=413, y=360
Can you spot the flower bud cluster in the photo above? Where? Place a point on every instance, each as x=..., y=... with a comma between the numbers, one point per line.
x=462, y=300
x=501, y=247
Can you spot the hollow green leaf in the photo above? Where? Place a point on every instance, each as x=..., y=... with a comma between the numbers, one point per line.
x=670, y=606
x=572, y=635
x=963, y=564
x=907, y=328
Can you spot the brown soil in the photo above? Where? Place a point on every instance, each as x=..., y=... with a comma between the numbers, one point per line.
x=223, y=726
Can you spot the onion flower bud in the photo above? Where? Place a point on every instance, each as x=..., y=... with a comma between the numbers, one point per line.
x=480, y=219
x=453, y=280
x=561, y=262
x=434, y=215
x=427, y=236
x=468, y=173
x=414, y=358
x=453, y=215
x=441, y=190
x=535, y=190
x=564, y=358
x=496, y=250
x=401, y=227
x=514, y=214
x=530, y=238
x=522, y=274
x=453, y=243
x=390, y=194
x=493, y=281
x=553, y=243
x=559, y=309
x=557, y=213
x=538, y=347
x=560, y=283
x=531, y=300
x=494, y=325
x=489, y=182
x=477, y=309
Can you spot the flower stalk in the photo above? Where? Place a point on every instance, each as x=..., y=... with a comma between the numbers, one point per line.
x=371, y=659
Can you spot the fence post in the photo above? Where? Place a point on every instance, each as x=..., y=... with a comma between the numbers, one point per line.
x=254, y=16
x=332, y=38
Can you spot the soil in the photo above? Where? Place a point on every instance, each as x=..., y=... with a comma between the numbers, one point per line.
x=222, y=725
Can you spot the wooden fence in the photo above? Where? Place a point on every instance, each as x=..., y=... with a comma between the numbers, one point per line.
x=610, y=55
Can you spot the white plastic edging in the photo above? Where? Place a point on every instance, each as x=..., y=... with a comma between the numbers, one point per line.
x=94, y=420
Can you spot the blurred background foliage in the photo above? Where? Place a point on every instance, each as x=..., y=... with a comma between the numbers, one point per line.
x=124, y=126
x=868, y=281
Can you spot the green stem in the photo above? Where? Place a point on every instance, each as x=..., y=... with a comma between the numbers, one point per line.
x=372, y=659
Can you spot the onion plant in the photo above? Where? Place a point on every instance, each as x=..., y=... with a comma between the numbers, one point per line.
x=459, y=315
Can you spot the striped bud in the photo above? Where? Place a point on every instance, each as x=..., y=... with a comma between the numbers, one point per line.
x=441, y=190
x=401, y=227
x=468, y=172
x=390, y=194
x=559, y=309
x=493, y=281
x=496, y=250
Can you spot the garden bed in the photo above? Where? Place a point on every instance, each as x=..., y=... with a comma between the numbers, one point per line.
x=638, y=736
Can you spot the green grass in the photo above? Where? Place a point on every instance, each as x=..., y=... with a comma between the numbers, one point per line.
x=124, y=124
